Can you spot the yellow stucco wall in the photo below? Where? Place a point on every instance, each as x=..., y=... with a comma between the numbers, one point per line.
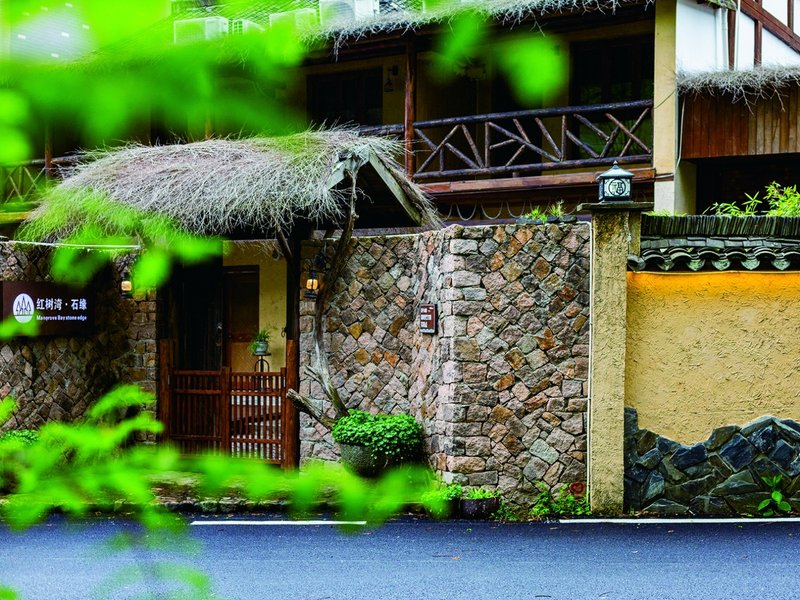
x=711, y=349
x=272, y=288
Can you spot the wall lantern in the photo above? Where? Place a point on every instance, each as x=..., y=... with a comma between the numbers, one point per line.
x=615, y=185
x=126, y=285
x=312, y=283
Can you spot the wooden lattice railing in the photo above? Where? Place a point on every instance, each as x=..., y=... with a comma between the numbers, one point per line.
x=530, y=141
x=20, y=182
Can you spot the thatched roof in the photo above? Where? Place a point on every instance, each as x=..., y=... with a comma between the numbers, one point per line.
x=403, y=15
x=748, y=85
x=221, y=186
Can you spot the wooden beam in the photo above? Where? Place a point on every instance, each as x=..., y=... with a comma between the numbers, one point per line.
x=757, y=43
x=731, y=38
x=771, y=23
x=397, y=191
x=517, y=184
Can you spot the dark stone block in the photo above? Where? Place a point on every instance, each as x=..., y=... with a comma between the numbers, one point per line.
x=722, y=468
x=687, y=456
x=709, y=505
x=670, y=473
x=632, y=495
x=764, y=467
x=739, y=483
x=746, y=504
x=631, y=421
x=645, y=441
x=794, y=467
x=759, y=423
x=638, y=473
x=719, y=436
x=686, y=492
x=663, y=506
x=651, y=459
x=738, y=452
x=788, y=430
x=790, y=424
x=763, y=439
x=666, y=445
x=653, y=488
x=783, y=454
x=699, y=470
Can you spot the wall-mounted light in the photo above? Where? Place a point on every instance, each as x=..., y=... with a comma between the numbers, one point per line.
x=392, y=71
x=126, y=285
x=615, y=185
x=312, y=282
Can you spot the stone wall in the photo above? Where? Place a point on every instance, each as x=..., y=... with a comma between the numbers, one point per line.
x=57, y=378
x=501, y=388
x=721, y=475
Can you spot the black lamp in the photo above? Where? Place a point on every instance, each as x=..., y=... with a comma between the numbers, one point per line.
x=615, y=185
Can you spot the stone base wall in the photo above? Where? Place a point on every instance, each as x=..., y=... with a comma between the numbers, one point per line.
x=501, y=388
x=57, y=378
x=720, y=476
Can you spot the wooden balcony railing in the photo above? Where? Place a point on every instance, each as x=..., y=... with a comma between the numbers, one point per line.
x=19, y=182
x=530, y=141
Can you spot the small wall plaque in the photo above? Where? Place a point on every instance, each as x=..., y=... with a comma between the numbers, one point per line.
x=57, y=309
x=427, y=318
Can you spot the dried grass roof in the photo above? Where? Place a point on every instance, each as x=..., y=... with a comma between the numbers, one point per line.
x=749, y=85
x=405, y=15
x=223, y=185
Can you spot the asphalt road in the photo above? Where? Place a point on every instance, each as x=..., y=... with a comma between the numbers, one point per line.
x=417, y=559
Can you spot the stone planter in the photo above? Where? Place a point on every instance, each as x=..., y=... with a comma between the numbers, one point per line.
x=360, y=460
x=479, y=508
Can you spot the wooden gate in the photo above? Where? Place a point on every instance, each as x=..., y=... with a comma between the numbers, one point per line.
x=242, y=414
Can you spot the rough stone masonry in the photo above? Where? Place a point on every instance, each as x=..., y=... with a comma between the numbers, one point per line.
x=500, y=389
x=57, y=378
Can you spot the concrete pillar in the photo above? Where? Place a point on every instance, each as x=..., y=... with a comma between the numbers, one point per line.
x=616, y=231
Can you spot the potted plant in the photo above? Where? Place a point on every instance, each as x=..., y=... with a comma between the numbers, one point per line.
x=479, y=503
x=371, y=443
x=260, y=344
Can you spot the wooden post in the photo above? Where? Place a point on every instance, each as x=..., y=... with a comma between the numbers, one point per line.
x=164, y=385
x=225, y=410
x=290, y=424
x=410, y=113
x=48, y=152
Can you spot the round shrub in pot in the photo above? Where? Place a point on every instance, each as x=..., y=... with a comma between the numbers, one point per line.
x=371, y=443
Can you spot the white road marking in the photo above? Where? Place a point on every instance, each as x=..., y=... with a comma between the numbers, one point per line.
x=680, y=521
x=273, y=523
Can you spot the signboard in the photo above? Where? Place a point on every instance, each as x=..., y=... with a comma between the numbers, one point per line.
x=427, y=318
x=56, y=309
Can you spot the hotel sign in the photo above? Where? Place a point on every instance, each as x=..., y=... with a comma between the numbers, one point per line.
x=56, y=309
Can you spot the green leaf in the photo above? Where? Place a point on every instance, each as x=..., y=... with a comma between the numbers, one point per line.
x=777, y=496
x=764, y=503
x=151, y=270
x=784, y=506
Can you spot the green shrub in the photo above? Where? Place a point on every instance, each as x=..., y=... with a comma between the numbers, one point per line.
x=561, y=503
x=396, y=437
x=783, y=201
x=26, y=436
x=481, y=493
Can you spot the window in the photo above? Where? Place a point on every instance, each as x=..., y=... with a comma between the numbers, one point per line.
x=349, y=97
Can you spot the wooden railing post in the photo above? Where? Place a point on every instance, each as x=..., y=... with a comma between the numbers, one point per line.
x=290, y=424
x=225, y=410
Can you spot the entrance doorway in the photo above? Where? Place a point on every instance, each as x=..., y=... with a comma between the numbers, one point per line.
x=241, y=316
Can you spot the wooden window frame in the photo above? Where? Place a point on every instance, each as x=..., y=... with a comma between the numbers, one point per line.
x=766, y=20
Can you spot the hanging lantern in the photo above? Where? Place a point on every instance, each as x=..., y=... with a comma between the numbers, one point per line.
x=312, y=283
x=126, y=285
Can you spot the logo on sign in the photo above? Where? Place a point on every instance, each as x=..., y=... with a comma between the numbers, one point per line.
x=22, y=308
